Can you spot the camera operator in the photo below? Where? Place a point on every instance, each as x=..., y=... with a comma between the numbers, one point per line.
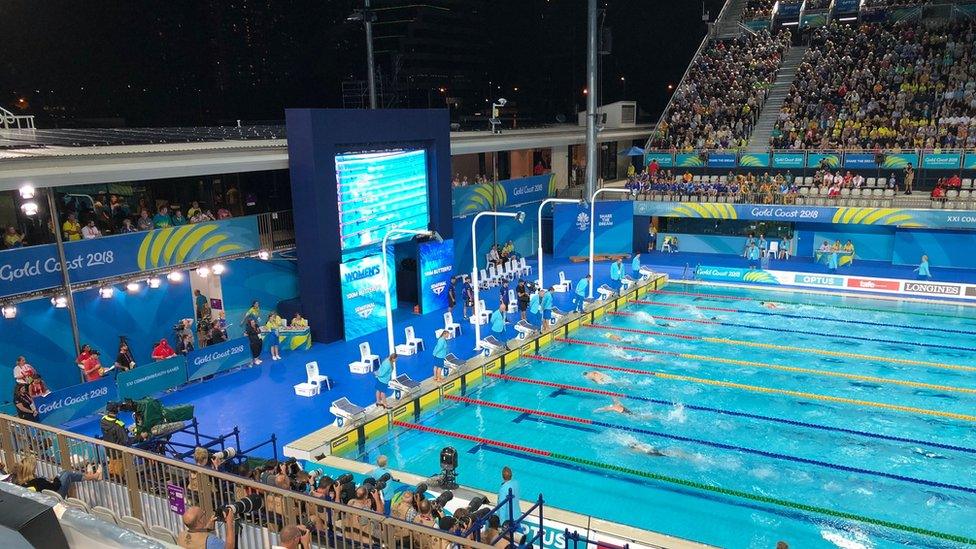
x=293, y=537
x=199, y=530
x=362, y=526
x=113, y=430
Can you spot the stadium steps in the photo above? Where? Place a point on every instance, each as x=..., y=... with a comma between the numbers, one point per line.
x=729, y=25
x=759, y=140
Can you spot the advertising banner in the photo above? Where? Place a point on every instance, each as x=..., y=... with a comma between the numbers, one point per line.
x=508, y=192
x=757, y=160
x=789, y=10
x=969, y=163
x=846, y=6
x=898, y=161
x=152, y=378
x=860, y=161
x=37, y=267
x=436, y=268
x=217, y=358
x=665, y=160
x=688, y=160
x=363, y=294
x=613, y=233
x=942, y=161
x=788, y=160
x=721, y=160
x=734, y=274
x=71, y=403
x=815, y=159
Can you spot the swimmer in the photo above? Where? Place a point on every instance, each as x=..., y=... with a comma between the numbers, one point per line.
x=665, y=324
x=644, y=448
x=769, y=304
x=598, y=378
x=615, y=407
x=613, y=337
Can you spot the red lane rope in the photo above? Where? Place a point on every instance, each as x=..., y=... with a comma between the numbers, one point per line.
x=517, y=409
x=471, y=438
x=672, y=318
x=591, y=365
x=563, y=386
x=684, y=305
x=645, y=332
x=624, y=347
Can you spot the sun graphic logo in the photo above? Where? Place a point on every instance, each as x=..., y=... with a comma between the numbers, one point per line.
x=583, y=221
x=438, y=287
x=364, y=311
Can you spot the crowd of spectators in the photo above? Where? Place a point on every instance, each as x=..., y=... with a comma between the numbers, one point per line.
x=758, y=9
x=463, y=180
x=718, y=102
x=892, y=86
x=893, y=3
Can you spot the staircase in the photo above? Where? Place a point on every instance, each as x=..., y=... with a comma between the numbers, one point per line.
x=728, y=26
x=759, y=141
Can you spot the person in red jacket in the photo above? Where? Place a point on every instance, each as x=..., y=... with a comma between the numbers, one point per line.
x=162, y=351
x=91, y=366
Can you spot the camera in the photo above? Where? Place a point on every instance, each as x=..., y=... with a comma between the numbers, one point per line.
x=246, y=505
x=225, y=454
x=379, y=484
x=449, y=462
x=476, y=503
x=442, y=499
x=421, y=490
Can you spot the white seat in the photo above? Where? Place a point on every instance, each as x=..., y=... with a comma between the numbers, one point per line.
x=845, y=192
x=888, y=193
x=512, y=303
x=314, y=381
x=855, y=192
x=77, y=504
x=484, y=279
x=53, y=494
x=564, y=283
x=824, y=191
x=412, y=339
x=525, y=267
x=162, y=534
x=481, y=314
x=133, y=525
x=869, y=182
x=952, y=194
x=878, y=193
x=804, y=191
x=454, y=328
x=964, y=194
x=105, y=514
x=967, y=183
x=367, y=355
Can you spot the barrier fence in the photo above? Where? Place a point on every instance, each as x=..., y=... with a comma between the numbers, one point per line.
x=156, y=490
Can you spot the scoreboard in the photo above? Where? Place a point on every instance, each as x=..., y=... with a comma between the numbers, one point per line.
x=379, y=191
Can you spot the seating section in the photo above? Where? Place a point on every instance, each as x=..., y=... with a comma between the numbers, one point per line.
x=719, y=100
x=757, y=9
x=883, y=86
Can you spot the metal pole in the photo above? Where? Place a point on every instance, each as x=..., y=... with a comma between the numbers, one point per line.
x=474, y=269
x=539, y=249
x=371, y=76
x=593, y=226
x=591, y=98
x=386, y=281
x=63, y=263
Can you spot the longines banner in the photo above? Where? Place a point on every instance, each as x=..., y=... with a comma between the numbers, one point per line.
x=37, y=267
x=891, y=217
x=436, y=268
x=363, y=294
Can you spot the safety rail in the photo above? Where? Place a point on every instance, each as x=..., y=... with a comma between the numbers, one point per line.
x=277, y=230
x=154, y=488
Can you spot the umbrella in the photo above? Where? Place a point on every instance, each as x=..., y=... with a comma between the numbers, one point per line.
x=634, y=151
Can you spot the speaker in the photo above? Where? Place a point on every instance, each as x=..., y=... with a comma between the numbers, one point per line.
x=24, y=521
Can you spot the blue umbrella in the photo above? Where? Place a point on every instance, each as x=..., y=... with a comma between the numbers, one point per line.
x=634, y=151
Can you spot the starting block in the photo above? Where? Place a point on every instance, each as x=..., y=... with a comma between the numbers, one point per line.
x=344, y=411
x=491, y=345
x=606, y=292
x=645, y=274
x=402, y=385
x=453, y=363
x=627, y=282
x=525, y=329
x=557, y=315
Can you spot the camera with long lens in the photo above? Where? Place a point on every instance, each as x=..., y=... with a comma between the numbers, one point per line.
x=378, y=484
x=347, y=488
x=448, y=476
x=225, y=454
x=247, y=505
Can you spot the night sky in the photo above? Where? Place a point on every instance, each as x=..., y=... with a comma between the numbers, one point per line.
x=202, y=62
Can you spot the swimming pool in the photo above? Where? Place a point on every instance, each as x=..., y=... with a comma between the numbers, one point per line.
x=754, y=416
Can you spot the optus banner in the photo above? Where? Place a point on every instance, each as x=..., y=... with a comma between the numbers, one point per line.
x=217, y=358
x=152, y=378
x=436, y=268
x=37, y=267
x=71, y=403
x=363, y=294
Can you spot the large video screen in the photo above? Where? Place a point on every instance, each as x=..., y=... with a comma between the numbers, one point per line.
x=379, y=191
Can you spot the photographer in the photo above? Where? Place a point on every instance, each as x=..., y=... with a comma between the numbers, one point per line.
x=362, y=527
x=199, y=530
x=293, y=537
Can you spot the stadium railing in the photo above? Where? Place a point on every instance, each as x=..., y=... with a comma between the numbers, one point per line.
x=152, y=488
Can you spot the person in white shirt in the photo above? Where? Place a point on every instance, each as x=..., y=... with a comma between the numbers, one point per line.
x=858, y=180
x=90, y=231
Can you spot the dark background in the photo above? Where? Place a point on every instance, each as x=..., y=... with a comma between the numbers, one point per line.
x=204, y=62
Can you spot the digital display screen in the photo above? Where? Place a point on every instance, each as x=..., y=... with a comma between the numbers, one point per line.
x=379, y=191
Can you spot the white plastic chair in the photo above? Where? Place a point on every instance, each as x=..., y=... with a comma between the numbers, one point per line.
x=482, y=315
x=53, y=494
x=314, y=381
x=564, y=284
x=367, y=356
x=412, y=340
x=512, y=303
x=452, y=327
x=525, y=267
x=162, y=534
x=77, y=504
x=484, y=279
x=133, y=525
x=106, y=514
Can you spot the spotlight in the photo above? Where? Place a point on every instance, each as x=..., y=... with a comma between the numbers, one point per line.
x=132, y=287
x=9, y=311
x=154, y=282
x=175, y=276
x=203, y=272
x=29, y=208
x=218, y=269
x=264, y=255
x=59, y=302
x=27, y=191
x=106, y=292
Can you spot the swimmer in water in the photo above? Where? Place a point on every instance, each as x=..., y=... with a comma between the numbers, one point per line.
x=646, y=449
x=598, y=378
x=613, y=337
x=615, y=407
x=665, y=324
x=769, y=304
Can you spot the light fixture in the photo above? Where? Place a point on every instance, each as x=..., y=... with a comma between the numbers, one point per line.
x=132, y=287
x=59, y=302
x=29, y=208
x=154, y=282
x=203, y=272
x=107, y=292
x=9, y=311
x=175, y=276
x=27, y=191
x=218, y=269
x=264, y=255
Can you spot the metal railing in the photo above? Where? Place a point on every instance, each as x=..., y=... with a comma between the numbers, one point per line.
x=277, y=230
x=143, y=485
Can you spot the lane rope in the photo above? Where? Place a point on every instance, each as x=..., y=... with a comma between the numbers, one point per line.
x=733, y=413
x=791, y=331
x=753, y=364
x=743, y=343
x=720, y=445
x=757, y=388
x=690, y=484
x=721, y=297
x=801, y=317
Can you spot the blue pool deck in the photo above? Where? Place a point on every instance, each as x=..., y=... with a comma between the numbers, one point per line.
x=261, y=400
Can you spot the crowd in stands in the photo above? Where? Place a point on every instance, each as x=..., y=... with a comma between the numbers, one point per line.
x=874, y=86
x=464, y=181
x=757, y=9
x=893, y=3
x=717, y=104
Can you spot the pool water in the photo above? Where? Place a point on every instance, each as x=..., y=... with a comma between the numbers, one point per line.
x=863, y=406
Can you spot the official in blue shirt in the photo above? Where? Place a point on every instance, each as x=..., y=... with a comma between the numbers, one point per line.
x=754, y=257
x=547, y=307
x=441, y=350
x=379, y=471
x=497, y=321
x=580, y=295
x=383, y=376
x=635, y=265
x=617, y=272
x=509, y=484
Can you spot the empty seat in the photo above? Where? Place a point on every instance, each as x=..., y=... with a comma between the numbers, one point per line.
x=133, y=525
x=77, y=504
x=869, y=182
x=967, y=183
x=53, y=494
x=105, y=514
x=162, y=534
